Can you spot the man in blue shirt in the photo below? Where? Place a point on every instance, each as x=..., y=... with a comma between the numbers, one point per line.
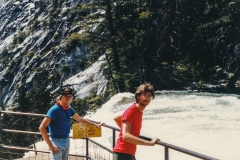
x=58, y=122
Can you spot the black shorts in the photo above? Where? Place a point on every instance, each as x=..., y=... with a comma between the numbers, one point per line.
x=123, y=156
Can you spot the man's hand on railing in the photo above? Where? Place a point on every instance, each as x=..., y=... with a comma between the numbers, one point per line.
x=98, y=125
x=154, y=141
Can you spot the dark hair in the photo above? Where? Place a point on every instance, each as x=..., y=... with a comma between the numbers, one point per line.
x=143, y=88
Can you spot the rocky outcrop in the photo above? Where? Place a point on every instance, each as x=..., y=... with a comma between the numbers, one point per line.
x=28, y=43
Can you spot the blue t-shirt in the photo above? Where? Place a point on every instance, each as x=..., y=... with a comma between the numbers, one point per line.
x=59, y=126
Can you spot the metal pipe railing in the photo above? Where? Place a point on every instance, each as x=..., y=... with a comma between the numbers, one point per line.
x=167, y=146
x=33, y=150
x=21, y=113
x=183, y=150
x=19, y=131
x=114, y=129
x=102, y=146
x=186, y=151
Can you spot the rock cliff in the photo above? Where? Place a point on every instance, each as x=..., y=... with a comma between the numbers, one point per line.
x=33, y=38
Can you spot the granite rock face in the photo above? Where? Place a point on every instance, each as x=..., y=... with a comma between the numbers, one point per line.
x=30, y=43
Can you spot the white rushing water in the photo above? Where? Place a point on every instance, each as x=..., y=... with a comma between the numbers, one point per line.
x=205, y=123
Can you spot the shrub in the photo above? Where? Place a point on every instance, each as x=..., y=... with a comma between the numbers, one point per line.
x=65, y=68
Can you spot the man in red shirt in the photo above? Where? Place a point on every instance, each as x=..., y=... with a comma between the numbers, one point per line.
x=130, y=123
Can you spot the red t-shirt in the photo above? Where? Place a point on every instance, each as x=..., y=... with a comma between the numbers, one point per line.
x=134, y=117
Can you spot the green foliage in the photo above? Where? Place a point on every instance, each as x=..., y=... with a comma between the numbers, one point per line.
x=15, y=139
x=43, y=4
x=54, y=48
x=34, y=25
x=9, y=75
x=87, y=60
x=73, y=40
x=145, y=14
x=80, y=106
x=65, y=13
x=55, y=12
x=184, y=72
x=82, y=63
x=54, y=17
x=83, y=11
x=30, y=53
x=51, y=21
x=3, y=56
x=45, y=24
x=65, y=68
x=35, y=100
x=21, y=37
x=4, y=53
x=88, y=103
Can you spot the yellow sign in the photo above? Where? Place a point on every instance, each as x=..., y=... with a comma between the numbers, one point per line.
x=82, y=131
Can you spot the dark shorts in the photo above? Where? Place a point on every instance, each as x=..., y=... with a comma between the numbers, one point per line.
x=123, y=156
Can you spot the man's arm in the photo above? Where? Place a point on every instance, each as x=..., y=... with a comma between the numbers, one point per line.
x=128, y=137
x=85, y=121
x=118, y=120
x=43, y=129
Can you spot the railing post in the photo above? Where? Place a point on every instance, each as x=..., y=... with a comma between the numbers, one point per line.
x=35, y=148
x=87, y=154
x=114, y=138
x=166, y=153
